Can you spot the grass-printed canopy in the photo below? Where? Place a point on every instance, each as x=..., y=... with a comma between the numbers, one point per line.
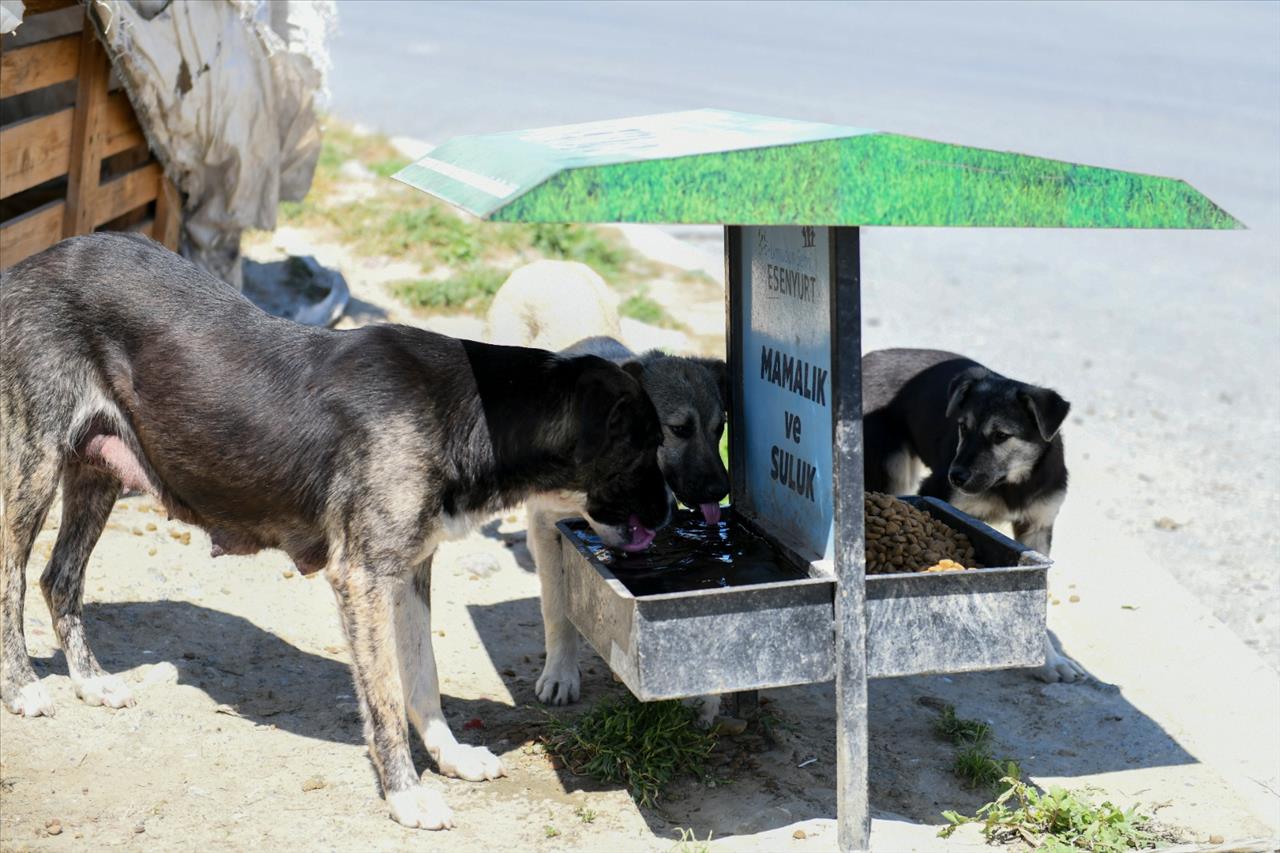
x=716, y=167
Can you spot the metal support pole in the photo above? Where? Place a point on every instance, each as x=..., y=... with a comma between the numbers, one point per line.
x=746, y=704
x=854, y=820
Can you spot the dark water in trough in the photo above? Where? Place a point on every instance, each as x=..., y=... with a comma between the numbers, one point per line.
x=690, y=554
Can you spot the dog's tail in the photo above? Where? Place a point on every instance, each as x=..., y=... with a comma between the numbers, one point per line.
x=552, y=304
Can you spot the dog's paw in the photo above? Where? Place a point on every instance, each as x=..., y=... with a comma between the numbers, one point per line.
x=472, y=763
x=559, y=683
x=31, y=700
x=109, y=690
x=1058, y=667
x=420, y=807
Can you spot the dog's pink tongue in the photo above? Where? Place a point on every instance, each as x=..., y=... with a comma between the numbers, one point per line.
x=641, y=536
x=711, y=512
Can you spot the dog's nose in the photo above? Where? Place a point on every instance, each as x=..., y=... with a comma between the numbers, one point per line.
x=714, y=494
x=959, y=477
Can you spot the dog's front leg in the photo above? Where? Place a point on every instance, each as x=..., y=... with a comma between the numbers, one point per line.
x=422, y=685
x=560, y=682
x=367, y=604
x=1057, y=666
x=1037, y=538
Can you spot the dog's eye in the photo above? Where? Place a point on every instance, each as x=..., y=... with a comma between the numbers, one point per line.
x=684, y=430
x=998, y=437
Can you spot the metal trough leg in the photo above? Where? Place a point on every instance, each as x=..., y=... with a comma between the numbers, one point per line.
x=850, y=556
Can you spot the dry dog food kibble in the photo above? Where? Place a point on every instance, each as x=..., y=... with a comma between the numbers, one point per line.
x=901, y=538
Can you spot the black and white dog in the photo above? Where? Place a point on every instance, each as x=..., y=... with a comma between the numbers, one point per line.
x=354, y=452
x=993, y=446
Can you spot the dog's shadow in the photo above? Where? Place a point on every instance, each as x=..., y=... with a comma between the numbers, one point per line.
x=249, y=672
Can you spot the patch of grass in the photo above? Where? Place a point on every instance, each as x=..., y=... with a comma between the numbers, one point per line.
x=603, y=252
x=551, y=831
x=646, y=746
x=388, y=167
x=639, y=306
x=471, y=289
x=1057, y=820
x=961, y=732
x=973, y=763
x=979, y=770
x=688, y=842
x=585, y=814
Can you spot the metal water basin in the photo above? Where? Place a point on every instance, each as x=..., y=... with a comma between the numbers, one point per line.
x=778, y=628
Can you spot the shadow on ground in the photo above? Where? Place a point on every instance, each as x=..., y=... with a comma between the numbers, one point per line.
x=1059, y=730
x=257, y=675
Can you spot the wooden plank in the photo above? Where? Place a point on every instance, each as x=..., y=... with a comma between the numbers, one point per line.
x=24, y=69
x=34, y=151
x=86, y=154
x=118, y=126
x=31, y=232
x=168, y=214
x=39, y=149
x=118, y=197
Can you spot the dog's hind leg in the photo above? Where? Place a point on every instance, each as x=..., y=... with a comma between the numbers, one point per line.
x=87, y=497
x=561, y=680
x=422, y=685
x=29, y=474
x=367, y=606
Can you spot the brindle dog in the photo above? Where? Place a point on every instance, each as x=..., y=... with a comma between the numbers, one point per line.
x=355, y=452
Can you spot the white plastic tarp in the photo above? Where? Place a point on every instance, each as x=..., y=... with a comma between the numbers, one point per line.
x=227, y=93
x=10, y=15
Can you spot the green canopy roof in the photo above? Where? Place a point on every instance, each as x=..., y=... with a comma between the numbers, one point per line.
x=717, y=167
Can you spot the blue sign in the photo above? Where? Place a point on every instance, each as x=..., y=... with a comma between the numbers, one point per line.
x=787, y=394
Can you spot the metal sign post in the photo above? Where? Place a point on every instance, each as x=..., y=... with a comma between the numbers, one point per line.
x=796, y=442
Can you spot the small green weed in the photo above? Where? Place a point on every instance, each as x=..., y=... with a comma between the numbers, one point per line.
x=688, y=842
x=973, y=762
x=471, y=289
x=979, y=770
x=961, y=732
x=1057, y=820
x=585, y=814
x=551, y=831
x=644, y=745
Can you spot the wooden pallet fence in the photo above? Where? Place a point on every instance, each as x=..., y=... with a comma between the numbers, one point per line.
x=78, y=168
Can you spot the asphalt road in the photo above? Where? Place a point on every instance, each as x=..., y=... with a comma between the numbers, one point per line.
x=1167, y=343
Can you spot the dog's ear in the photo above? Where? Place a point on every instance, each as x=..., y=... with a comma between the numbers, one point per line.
x=720, y=372
x=608, y=404
x=1047, y=407
x=597, y=405
x=635, y=368
x=960, y=385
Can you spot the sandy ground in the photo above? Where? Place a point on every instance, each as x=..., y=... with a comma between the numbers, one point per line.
x=246, y=732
